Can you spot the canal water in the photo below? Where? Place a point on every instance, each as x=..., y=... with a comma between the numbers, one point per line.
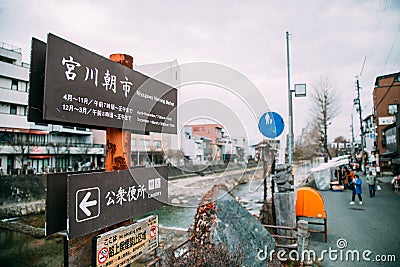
x=177, y=217
x=250, y=195
x=17, y=249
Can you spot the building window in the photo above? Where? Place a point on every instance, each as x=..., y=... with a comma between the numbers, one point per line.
x=37, y=139
x=13, y=109
x=156, y=144
x=133, y=144
x=198, y=129
x=14, y=85
x=144, y=144
x=392, y=108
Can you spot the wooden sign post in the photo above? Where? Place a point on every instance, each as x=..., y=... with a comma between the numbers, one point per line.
x=118, y=141
x=72, y=86
x=118, y=153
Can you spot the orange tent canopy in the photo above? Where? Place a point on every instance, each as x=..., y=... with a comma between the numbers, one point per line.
x=309, y=203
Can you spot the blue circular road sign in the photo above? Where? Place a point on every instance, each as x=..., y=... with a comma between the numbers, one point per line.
x=271, y=124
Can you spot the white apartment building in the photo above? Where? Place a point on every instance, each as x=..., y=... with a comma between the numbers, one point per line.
x=31, y=147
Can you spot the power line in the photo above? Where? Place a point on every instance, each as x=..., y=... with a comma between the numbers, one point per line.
x=378, y=19
x=391, y=49
x=379, y=15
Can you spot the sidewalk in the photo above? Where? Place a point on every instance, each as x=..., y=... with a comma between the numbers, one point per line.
x=371, y=228
x=386, y=179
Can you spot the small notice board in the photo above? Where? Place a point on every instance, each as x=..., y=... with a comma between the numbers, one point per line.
x=124, y=245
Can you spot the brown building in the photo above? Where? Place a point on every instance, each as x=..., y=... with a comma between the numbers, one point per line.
x=386, y=104
x=228, y=148
x=214, y=132
x=211, y=131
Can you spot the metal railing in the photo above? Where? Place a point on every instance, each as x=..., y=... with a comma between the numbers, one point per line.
x=10, y=47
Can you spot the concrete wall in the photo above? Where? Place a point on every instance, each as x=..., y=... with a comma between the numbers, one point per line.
x=22, y=195
x=22, y=189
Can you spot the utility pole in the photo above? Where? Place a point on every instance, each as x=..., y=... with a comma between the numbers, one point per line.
x=352, y=136
x=290, y=143
x=361, y=124
x=360, y=114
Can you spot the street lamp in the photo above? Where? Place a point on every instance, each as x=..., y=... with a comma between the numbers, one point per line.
x=300, y=90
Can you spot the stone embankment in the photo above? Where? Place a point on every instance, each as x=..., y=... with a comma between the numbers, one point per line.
x=17, y=210
x=189, y=191
x=22, y=209
x=17, y=226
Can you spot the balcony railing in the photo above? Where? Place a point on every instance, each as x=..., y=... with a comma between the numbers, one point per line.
x=10, y=47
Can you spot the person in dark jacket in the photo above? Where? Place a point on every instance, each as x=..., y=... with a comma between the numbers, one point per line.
x=371, y=181
x=356, y=182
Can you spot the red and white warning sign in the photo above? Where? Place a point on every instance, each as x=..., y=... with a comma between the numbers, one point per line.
x=122, y=246
x=102, y=256
x=153, y=231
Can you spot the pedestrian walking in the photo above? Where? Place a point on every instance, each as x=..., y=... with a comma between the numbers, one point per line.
x=371, y=181
x=346, y=178
x=356, y=187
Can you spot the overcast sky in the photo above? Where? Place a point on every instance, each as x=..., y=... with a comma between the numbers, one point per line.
x=337, y=39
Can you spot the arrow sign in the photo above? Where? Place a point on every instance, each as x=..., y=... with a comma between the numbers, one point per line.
x=85, y=204
x=87, y=198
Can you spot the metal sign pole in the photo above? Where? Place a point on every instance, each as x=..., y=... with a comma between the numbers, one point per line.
x=290, y=143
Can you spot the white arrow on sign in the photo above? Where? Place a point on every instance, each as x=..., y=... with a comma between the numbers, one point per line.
x=85, y=204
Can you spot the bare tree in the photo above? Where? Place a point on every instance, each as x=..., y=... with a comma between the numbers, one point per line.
x=307, y=145
x=324, y=109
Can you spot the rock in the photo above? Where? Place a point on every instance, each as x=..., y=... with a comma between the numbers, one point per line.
x=221, y=219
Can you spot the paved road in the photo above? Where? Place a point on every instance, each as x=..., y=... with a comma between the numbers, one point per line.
x=374, y=226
